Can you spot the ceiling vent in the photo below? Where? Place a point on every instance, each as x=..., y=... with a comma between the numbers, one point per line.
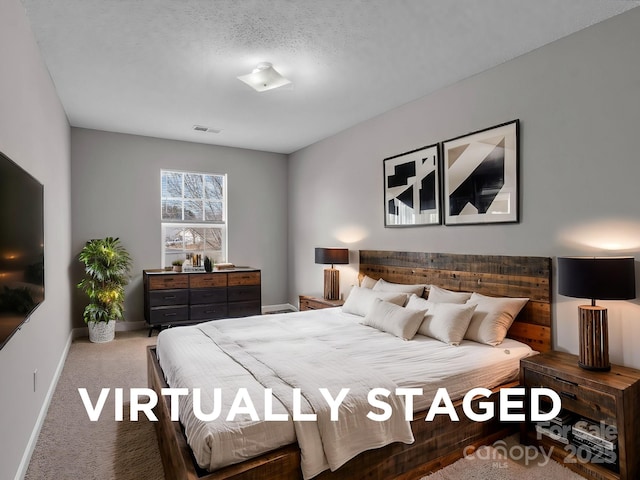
x=202, y=128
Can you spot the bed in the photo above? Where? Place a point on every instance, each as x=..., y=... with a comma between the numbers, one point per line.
x=437, y=442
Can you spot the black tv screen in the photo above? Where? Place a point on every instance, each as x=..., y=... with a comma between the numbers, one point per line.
x=21, y=247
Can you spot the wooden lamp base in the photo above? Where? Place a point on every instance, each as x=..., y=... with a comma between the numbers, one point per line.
x=594, y=338
x=331, y=284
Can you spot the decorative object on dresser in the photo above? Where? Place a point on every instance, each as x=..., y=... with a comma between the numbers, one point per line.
x=107, y=265
x=602, y=278
x=308, y=302
x=412, y=188
x=186, y=298
x=332, y=256
x=480, y=176
x=597, y=432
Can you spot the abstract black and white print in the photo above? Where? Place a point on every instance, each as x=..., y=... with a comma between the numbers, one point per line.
x=411, y=188
x=481, y=176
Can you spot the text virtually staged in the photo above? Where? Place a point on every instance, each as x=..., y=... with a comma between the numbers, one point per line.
x=143, y=400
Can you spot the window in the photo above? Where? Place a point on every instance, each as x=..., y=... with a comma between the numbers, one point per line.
x=194, y=216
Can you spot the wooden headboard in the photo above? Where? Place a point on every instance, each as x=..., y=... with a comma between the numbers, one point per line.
x=493, y=275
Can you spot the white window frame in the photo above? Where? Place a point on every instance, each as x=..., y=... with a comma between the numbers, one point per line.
x=173, y=223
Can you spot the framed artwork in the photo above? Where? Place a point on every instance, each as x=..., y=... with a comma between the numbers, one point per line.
x=412, y=188
x=480, y=176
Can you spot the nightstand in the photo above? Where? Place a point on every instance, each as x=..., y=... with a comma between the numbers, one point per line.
x=612, y=398
x=308, y=302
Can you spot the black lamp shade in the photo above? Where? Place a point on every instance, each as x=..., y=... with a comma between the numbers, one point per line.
x=332, y=256
x=597, y=278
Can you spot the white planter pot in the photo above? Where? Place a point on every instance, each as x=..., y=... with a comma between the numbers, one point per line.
x=101, y=332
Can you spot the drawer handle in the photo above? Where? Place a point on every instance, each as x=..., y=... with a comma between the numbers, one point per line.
x=170, y=314
x=570, y=395
x=169, y=297
x=566, y=381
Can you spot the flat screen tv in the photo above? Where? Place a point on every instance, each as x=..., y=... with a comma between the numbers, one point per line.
x=21, y=247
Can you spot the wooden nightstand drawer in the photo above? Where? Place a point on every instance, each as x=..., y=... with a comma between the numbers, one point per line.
x=314, y=303
x=163, y=282
x=160, y=298
x=609, y=400
x=575, y=397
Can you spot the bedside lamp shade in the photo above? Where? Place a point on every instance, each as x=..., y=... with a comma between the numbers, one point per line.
x=332, y=256
x=596, y=278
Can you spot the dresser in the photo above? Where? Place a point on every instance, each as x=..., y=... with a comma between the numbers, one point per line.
x=186, y=298
x=610, y=400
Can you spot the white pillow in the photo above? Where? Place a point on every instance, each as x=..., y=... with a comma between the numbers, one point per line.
x=399, y=321
x=368, y=282
x=361, y=299
x=442, y=295
x=418, y=303
x=385, y=286
x=447, y=322
x=492, y=318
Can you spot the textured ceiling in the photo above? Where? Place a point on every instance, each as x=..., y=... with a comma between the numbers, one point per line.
x=158, y=67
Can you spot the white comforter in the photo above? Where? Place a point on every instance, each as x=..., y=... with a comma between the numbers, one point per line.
x=307, y=350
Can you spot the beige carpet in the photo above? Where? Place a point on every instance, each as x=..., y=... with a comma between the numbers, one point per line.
x=71, y=447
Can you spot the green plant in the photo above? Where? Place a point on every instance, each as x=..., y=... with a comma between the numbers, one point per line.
x=107, y=265
x=177, y=263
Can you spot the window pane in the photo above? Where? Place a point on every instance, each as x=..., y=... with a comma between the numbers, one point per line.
x=171, y=185
x=192, y=185
x=214, y=187
x=193, y=210
x=213, y=211
x=181, y=242
x=171, y=210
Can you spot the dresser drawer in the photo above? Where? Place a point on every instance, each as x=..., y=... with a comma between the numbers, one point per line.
x=159, y=298
x=243, y=278
x=208, y=312
x=244, y=293
x=167, y=315
x=577, y=398
x=206, y=280
x=244, y=309
x=208, y=295
x=164, y=282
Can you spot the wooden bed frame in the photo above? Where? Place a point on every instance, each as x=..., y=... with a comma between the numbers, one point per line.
x=437, y=443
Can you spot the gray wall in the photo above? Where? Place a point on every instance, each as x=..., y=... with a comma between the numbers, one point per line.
x=34, y=132
x=578, y=101
x=115, y=189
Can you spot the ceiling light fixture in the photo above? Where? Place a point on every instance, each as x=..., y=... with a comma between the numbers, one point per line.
x=264, y=77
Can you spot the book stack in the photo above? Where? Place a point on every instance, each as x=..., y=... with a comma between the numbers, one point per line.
x=595, y=442
x=558, y=428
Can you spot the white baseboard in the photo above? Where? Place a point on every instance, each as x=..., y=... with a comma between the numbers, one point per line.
x=277, y=308
x=33, y=439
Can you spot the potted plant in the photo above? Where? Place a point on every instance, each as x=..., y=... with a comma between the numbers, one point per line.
x=177, y=265
x=107, y=265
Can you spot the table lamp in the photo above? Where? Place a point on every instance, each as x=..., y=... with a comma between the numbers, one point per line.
x=601, y=278
x=332, y=256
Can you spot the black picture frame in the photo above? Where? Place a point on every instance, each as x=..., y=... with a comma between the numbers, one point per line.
x=481, y=176
x=412, y=188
